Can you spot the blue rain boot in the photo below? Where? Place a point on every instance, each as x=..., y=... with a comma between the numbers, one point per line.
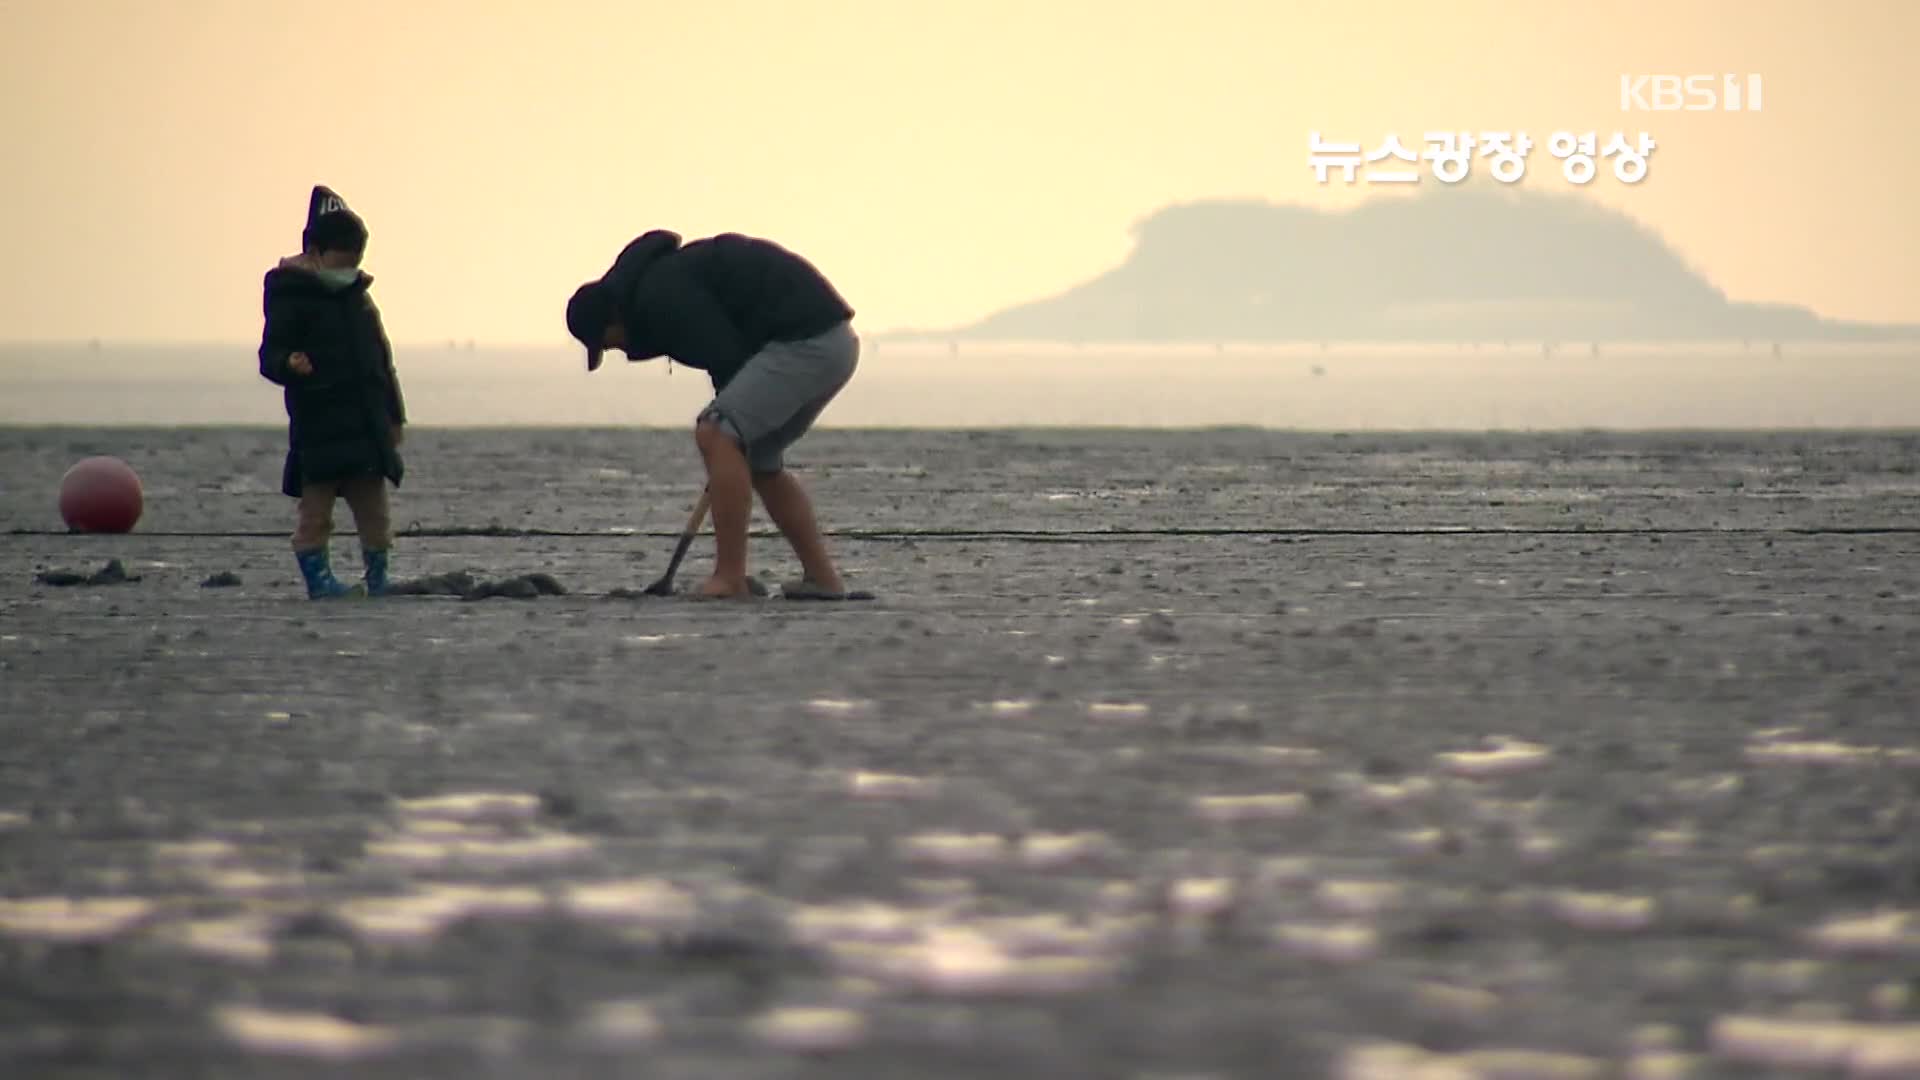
x=376, y=563
x=321, y=584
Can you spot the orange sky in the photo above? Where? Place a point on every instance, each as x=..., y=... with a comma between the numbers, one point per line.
x=938, y=160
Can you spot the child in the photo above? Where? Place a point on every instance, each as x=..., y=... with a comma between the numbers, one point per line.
x=324, y=342
x=777, y=342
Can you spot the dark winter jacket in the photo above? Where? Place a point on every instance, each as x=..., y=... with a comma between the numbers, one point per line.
x=713, y=303
x=342, y=418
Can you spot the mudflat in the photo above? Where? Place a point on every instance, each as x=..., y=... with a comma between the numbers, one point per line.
x=1156, y=754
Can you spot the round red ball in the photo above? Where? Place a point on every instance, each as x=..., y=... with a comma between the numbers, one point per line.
x=100, y=495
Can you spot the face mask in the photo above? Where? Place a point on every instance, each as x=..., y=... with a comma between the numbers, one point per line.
x=339, y=278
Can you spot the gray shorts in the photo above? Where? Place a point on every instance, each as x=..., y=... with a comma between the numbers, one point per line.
x=781, y=391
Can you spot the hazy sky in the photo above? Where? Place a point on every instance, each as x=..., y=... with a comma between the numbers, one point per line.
x=938, y=160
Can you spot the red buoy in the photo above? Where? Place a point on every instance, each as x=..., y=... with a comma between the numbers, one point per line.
x=101, y=495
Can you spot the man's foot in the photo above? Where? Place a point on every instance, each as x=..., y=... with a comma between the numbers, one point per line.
x=723, y=588
x=809, y=589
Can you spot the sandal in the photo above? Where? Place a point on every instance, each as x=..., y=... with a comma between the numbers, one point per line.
x=802, y=589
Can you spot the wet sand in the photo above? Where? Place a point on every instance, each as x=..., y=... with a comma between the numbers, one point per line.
x=1158, y=755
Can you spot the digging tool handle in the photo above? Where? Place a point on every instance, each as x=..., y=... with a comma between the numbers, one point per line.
x=692, y=530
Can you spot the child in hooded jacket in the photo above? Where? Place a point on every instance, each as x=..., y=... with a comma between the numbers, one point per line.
x=325, y=344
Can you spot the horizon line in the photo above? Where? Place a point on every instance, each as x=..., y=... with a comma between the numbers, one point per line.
x=930, y=339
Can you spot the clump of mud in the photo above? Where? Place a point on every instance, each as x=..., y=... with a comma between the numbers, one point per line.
x=1158, y=629
x=524, y=587
x=458, y=583
x=111, y=574
x=225, y=579
x=465, y=586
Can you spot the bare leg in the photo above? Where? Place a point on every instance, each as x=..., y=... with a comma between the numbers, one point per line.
x=730, y=494
x=792, y=512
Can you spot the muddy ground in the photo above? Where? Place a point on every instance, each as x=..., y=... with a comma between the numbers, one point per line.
x=1504, y=756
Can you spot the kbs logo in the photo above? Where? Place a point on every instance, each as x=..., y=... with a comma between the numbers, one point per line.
x=1689, y=93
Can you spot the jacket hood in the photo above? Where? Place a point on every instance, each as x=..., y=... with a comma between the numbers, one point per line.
x=294, y=274
x=635, y=259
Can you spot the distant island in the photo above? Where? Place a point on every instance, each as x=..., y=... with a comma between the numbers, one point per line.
x=1464, y=264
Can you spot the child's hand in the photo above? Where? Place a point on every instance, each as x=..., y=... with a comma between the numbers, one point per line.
x=299, y=364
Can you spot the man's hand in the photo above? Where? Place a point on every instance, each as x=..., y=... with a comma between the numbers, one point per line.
x=300, y=364
x=399, y=435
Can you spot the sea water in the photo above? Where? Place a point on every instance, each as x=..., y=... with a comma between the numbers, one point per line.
x=1490, y=386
